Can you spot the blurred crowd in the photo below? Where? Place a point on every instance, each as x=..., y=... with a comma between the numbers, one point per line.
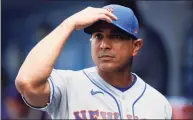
x=165, y=61
x=12, y=105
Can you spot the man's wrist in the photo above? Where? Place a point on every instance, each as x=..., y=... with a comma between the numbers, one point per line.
x=69, y=23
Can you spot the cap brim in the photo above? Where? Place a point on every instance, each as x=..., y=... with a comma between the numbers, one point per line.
x=90, y=29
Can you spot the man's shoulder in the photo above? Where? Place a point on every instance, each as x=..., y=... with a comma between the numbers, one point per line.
x=156, y=96
x=152, y=91
x=90, y=69
x=73, y=73
x=153, y=94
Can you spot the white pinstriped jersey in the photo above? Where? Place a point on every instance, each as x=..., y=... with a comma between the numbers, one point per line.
x=85, y=95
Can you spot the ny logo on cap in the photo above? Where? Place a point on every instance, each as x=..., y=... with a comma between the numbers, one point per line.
x=135, y=30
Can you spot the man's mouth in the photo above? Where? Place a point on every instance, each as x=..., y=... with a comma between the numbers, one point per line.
x=105, y=56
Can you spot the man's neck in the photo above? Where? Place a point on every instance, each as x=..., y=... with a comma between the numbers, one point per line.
x=117, y=78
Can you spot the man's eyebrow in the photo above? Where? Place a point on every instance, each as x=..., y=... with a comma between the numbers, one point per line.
x=120, y=32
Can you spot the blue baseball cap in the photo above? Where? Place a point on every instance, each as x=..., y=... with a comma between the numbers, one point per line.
x=127, y=20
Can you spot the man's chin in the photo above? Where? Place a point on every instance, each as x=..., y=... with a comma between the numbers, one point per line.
x=107, y=67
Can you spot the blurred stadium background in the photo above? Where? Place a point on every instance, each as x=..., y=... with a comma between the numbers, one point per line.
x=165, y=61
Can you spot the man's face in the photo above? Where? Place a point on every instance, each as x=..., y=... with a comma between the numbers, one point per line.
x=112, y=49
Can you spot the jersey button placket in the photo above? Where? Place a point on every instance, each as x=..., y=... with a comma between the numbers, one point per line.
x=122, y=100
x=125, y=107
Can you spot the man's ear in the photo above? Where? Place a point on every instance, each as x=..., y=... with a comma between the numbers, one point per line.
x=137, y=44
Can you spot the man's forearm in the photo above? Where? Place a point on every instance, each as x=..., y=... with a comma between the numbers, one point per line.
x=41, y=59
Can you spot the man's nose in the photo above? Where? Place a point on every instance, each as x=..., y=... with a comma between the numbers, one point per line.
x=105, y=44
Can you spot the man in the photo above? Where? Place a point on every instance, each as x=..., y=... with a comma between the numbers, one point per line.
x=107, y=91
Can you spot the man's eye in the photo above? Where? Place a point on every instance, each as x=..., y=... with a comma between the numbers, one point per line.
x=99, y=36
x=117, y=37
